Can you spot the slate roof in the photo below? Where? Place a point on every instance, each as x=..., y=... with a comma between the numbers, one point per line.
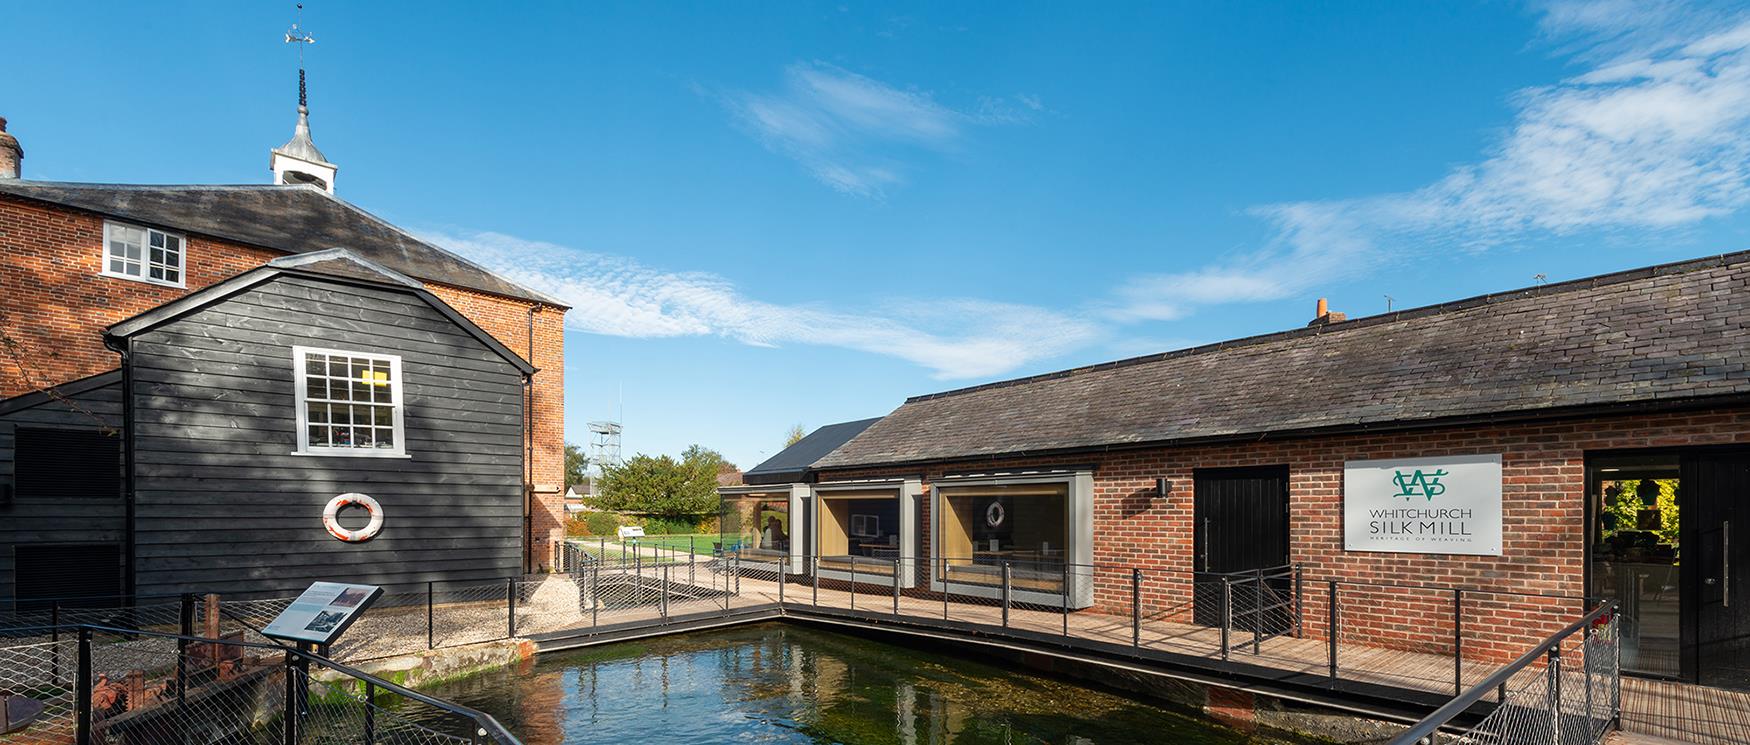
x=791, y=464
x=292, y=218
x=1646, y=337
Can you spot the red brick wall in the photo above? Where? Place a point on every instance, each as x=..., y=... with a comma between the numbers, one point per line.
x=54, y=304
x=1543, y=526
x=508, y=321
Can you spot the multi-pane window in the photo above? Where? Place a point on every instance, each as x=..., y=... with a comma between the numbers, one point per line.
x=349, y=403
x=142, y=253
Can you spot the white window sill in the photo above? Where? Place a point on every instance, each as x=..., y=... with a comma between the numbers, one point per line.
x=351, y=453
x=144, y=280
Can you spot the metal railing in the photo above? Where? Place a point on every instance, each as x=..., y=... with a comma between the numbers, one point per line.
x=100, y=684
x=1561, y=691
x=1429, y=639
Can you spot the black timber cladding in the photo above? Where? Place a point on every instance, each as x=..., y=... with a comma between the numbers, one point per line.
x=224, y=506
x=1650, y=337
x=296, y=219
x=39, y=520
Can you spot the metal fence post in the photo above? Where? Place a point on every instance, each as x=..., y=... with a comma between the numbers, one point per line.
x=944, y=575
x=1257, y=609
x=1006, y=578
x=55, y=636
x=896, y=587
x=1227, y=613
x=82, y=691
x=1586, y=671
x=1331, y=629
x=595, y=593
x=853, y=582
x=510, y=605
x=370, y=713
x=1065, y=598
x=290, y=732
x=430, y=608
x=814, y=563
x=783, y=579
x=1555, y=692
x=1135, y=607
x=665, y=592
x=1457, y=641
x=185, y=618
x=1299, y=600
x=1615, y=669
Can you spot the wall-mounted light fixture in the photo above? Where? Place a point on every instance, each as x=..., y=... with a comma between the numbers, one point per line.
x=1163, y=488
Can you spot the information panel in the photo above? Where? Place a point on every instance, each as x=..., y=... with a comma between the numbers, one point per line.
x=1445, y=505
x=322, y=612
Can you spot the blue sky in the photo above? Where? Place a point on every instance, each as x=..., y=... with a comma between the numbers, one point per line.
x=802, y=213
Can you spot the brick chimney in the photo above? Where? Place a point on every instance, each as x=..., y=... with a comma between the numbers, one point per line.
x=11, y=155
x=1324, y=315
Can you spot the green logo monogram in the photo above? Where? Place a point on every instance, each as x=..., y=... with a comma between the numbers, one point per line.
x=1419, y=483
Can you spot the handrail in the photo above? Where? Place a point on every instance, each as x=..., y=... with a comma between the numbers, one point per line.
x=1441, y=716
x=488, y=725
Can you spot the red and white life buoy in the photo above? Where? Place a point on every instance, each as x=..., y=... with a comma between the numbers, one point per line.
x=331, y=513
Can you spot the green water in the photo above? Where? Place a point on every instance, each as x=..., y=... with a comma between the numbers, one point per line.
x=779, y=683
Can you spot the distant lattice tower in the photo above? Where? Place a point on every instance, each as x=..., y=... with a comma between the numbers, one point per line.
x=604, y=444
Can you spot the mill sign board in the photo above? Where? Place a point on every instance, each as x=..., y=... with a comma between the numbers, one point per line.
x=1444, y=505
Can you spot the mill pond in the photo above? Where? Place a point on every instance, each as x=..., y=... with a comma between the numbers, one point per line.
x=775, y=683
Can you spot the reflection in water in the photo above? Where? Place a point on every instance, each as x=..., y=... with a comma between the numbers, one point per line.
x=785, y=684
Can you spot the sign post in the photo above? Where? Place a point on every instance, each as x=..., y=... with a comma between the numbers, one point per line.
x=1441, y=505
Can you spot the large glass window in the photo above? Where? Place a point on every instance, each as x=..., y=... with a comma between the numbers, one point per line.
x=349, y=403
x=1634, y=554
x=757, y=523
x=1025, y=527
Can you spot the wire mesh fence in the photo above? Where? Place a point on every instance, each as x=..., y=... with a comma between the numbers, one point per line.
x=131, y=687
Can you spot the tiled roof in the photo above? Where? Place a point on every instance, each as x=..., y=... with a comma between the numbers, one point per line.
x=1660, y=334
x=295, y=219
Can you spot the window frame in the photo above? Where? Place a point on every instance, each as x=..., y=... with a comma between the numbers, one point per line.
x=300, y=376
x=145, y=261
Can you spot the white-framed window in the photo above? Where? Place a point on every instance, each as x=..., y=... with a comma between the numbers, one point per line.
x=349, y=403
x=145, y=254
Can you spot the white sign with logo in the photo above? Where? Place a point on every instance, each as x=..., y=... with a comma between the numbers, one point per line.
x=1446, y=505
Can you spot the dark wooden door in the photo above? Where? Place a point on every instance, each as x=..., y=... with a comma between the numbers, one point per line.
x=1716, y=516
x=1241, y=519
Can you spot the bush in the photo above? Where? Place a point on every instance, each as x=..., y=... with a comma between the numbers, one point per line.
x=601, y=523
x=669, y=526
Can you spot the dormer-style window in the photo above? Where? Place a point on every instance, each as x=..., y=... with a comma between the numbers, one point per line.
x=349, y=403
x=145, y=254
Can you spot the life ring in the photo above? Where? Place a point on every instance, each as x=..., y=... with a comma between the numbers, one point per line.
x=995, y=514
x=331, y=514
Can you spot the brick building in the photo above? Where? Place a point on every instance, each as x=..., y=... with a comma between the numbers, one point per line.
x=83, y=257
x=1530, y=448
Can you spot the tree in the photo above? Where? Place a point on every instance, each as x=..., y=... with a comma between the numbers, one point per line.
x=795, y=435
x=663, y=486
x=576, y=462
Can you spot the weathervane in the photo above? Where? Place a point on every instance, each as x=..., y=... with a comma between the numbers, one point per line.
x=300, y=37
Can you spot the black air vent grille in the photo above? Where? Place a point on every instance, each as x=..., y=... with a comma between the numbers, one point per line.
x=57, y=464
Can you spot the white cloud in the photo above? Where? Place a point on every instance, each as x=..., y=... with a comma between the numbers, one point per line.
x=1654, y=135
x=954, y=338
x=853, y=132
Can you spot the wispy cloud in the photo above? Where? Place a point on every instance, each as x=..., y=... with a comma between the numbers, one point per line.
x=855, y=133
x=1653, y=134
x=618, y=296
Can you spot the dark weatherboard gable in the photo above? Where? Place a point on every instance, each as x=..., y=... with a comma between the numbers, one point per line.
x=222, y=503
